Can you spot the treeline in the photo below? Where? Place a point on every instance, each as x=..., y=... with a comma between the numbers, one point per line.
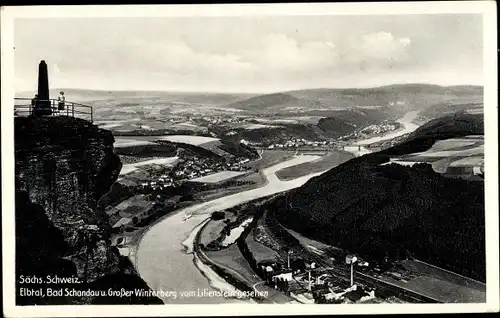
x=393, y=211
x=279, y=134
x=453, y=126
x=396, y=211
x=161, y=132
x=439, y=109
x=160, y=149
x=191, y=150
x=344, y=122
x=199, y=187
x=239, y=150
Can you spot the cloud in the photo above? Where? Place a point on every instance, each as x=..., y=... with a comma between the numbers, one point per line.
x=383, y=47
x=176, y=57
x=281, y=53
x=277, y=52
x=270, y=53
x=273, y=58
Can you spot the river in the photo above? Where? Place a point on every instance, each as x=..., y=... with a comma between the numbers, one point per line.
x=163, y=255
x=408, y=126
x=164, y=258
x=358, y=149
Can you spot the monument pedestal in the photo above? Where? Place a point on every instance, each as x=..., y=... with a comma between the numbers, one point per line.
x=43, y=105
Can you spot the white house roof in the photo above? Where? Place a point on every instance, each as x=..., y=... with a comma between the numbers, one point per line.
x=122, y=221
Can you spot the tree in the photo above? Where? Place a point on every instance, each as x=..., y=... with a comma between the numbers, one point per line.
x=218, y=215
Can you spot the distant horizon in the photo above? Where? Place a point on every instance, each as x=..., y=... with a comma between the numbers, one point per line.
x=249, y=92
x=250, y=55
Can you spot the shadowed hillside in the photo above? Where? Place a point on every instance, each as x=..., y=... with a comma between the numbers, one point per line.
x=423, y=138
x=346, y=121
x=410, y=96
x=273, y=102
x=393, y=210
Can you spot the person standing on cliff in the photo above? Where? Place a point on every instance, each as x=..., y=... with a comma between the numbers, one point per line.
x=61, y=100
x=34, y=102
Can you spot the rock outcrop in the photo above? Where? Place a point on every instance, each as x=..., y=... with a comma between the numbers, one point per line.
x=63, y=165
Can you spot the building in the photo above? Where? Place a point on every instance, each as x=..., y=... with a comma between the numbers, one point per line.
x=322, y=279
x=286, y=275
x=122, y=222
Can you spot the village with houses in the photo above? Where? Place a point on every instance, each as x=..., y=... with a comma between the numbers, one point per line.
x=149, y=191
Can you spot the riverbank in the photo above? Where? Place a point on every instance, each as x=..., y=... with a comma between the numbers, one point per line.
x=238, y=284
x=161, y=261
x=407, y=127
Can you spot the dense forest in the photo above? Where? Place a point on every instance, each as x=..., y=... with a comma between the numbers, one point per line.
x=396, y=211
x=161, y=132
x=452, y=126
x=270, y=135
x=164, y=150
x=239, y=150
x=344, y=122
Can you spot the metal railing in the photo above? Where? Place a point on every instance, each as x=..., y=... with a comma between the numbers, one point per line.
x=24, y=107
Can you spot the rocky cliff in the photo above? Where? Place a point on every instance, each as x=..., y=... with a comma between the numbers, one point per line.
x=63, y=165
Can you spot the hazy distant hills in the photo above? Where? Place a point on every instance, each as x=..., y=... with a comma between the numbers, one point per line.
x=402, y=96
x=387, y=91
x=273, y=102
x=397, y=211
x=144, y=97
x=406, y=96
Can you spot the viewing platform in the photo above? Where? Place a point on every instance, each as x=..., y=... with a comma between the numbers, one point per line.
x=23, y=107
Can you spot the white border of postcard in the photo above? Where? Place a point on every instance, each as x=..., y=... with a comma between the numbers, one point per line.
x=487, y=8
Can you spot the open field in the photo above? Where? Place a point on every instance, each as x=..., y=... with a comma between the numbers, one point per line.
x=159, y=161
x=468, y=162
x=211, y=231
x=122, y=122
x=219, y=176
x=231, y=258
x=253, y=177
x=258, y=126
x=124, y=142
x=454, y=153
x=440, y=284
x=328, y=161
x=450, y=144
x=259, y=251
x=465, y=152
x=186, y=139
x=270, y=158
x=234, y=263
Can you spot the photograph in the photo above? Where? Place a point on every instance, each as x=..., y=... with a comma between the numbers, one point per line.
x=256, y=157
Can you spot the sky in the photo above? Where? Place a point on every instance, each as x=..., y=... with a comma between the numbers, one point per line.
x=249, y=54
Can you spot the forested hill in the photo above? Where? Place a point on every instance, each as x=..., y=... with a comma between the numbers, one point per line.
x=402, y=96
x=396, y=211
x=456, y=125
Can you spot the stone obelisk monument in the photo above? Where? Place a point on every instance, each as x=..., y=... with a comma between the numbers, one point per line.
x=43, y=104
